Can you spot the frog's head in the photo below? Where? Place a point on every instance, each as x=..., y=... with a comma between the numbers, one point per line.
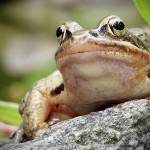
x=102, y=60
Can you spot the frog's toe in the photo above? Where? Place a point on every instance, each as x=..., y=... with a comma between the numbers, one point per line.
x=19, y=135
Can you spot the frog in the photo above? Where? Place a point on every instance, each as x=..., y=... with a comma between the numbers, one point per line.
x=97, y=68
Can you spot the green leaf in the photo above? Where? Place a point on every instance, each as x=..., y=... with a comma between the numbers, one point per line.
x=144, y=8
x=9, y=113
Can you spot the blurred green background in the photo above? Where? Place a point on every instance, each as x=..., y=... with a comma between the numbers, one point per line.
x=27, y=36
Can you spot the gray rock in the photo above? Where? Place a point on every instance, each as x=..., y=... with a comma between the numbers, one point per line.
x=122, y=127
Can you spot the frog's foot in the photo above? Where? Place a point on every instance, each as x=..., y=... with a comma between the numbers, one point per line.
x=148, y=98
x=60, y=113
x=19, y=136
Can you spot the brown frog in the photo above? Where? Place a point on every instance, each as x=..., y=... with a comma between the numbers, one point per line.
x=97, y=68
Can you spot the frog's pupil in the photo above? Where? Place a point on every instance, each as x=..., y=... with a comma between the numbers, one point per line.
x=58, y=32
x=119, y=25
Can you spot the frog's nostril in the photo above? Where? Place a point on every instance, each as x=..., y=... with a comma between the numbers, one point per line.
x=95, y=34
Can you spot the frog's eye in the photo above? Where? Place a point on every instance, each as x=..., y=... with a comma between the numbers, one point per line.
x=116, y=27
x=61, y=33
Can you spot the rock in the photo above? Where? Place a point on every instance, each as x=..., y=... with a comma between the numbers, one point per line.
x=122, y=127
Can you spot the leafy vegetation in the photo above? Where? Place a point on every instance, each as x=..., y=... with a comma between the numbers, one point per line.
x=144, y=8
x=9, y=113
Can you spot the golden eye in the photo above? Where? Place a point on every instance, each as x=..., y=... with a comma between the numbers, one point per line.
x=116, y=27
x=61, y=33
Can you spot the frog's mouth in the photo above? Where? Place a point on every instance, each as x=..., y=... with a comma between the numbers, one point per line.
x=110, y=71
x=103, y=48
x=110, y=48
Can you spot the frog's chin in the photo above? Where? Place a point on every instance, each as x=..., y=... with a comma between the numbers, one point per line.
x=90, y=75
x=97, y=65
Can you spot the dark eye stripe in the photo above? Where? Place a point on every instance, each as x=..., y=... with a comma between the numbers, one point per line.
x=57, y=90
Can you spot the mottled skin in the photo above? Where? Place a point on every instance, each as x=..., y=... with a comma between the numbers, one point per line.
x=97, y=68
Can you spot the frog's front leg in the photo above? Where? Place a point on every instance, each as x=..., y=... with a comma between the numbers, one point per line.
x=44, y=105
